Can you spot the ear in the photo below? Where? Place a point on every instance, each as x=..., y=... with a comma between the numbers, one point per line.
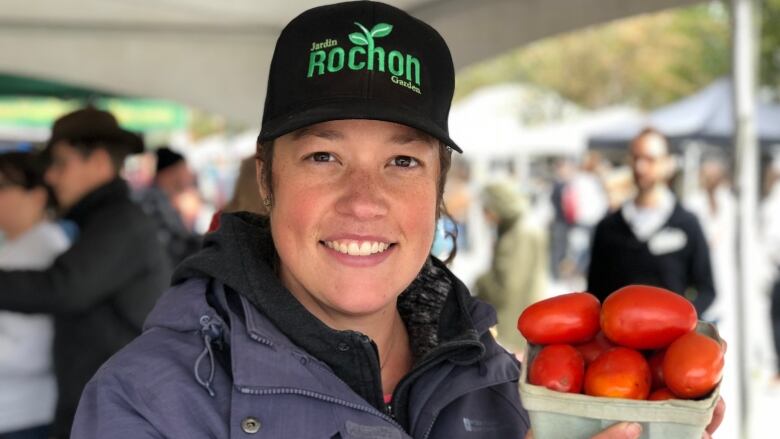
x=100, y=159
x=259, y=164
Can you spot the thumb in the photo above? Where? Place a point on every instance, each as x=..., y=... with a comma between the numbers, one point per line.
x=623, y=430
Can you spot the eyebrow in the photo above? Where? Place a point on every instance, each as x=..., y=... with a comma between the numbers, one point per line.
x=325, y=134
x=409, y=137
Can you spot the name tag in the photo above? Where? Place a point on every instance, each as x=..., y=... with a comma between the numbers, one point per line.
x=667, y=241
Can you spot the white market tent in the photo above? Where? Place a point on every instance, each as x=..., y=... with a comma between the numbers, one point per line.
x=215, y=55
x=513, y=120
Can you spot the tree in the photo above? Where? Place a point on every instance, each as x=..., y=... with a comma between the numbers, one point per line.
x=769, y=56
x=648, y=60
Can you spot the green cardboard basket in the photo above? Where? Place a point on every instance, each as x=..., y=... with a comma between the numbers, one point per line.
x=557, y=415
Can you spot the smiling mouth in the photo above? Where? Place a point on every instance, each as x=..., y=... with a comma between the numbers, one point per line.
x=357, y=248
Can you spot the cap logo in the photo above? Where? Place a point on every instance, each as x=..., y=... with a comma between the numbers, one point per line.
x=328, y=57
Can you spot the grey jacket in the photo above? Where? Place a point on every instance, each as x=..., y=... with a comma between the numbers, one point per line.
x=210, y=364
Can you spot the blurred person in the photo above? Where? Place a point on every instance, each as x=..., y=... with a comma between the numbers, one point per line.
x=327, y=318
x=101, y=289
x=589, y=204
x=652, y=239
x=246, y=194
x=164, y=201
x=562, y=200
x=518, y=273
x=715, y=207
x=770, y=238
x=32, y=241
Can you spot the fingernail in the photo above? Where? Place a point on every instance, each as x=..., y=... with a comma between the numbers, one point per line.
x=633, y=429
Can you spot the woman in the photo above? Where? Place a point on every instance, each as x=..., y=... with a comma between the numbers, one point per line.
x=29, y=390
x=327, y=318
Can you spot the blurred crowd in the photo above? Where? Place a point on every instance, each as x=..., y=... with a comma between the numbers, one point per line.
x=84, y=255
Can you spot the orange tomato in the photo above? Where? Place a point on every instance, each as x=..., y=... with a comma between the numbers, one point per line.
x=644, y=317
x=558, y=367
x=569, y=318
x=619, y=373
x=661, y=394
x=693, y=365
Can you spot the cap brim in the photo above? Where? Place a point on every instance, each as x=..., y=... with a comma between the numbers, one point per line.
x=132, y=141
x=353, y=109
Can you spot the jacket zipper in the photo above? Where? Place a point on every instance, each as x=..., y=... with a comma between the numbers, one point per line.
x=321, y=397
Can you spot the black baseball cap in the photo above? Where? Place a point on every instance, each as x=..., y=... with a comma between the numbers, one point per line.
x=359, y=60
x=166, y=158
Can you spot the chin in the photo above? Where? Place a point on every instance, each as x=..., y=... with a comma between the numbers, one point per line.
x=363, y=298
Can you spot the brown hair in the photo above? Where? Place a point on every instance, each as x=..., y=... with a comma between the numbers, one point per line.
x=265, y=154
x=246, y=195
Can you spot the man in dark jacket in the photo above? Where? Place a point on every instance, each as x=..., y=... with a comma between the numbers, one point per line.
x=102, y=288
x=652, y=240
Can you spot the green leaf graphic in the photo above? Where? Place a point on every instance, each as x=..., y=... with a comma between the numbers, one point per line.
x=381, y=30
x=358, y=38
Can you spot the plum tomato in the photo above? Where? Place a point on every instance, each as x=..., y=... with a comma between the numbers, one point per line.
x=661, y=394
x=693, y=365
x=619, y=373
x=569, y=318
x=590, y=350
x=656, y=362
x=558, y=367
x=645, y=317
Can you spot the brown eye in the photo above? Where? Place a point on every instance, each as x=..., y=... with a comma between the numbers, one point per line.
x=404, y=161
x=321, y=157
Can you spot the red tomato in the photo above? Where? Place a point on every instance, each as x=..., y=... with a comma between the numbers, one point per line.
x=592, y=349
x=619, y=373
x=656, y=362
x=569, y=318
x=558, y=367
x=693, y=365
x=661, y=394
x=644, y=317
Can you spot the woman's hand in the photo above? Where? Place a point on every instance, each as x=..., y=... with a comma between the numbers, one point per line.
x=717, y=418
x=631, y=430
x=623, y=430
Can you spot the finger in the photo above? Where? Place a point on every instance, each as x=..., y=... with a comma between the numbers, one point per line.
x=717, y=416
x=529, y=435
x=623, y=430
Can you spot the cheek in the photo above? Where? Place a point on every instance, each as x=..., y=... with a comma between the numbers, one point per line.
x=296, y=211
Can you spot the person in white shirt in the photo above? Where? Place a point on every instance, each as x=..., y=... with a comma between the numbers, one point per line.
x=31, y=241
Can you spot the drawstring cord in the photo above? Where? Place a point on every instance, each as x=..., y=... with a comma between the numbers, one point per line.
x=210, y=331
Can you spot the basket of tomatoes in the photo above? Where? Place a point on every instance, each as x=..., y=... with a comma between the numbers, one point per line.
x=641, y=356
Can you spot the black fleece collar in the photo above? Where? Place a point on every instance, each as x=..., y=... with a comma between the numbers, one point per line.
x=114, y=190
x=435, y=307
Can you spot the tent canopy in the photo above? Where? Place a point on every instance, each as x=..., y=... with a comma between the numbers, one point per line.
x=706, y=116
x=215, y=55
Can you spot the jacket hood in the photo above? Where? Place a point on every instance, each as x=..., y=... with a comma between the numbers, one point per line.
x=505, y=200
x=440, y=315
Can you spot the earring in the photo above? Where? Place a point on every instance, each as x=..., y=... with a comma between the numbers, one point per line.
x=267, y=202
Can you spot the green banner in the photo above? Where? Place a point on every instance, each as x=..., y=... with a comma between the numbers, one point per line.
x=133, y=114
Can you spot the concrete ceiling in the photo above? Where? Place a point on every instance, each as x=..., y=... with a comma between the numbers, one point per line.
x=214, y=55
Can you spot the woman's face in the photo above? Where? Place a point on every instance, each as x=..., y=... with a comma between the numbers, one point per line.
x=353, y=214
x=20, y=208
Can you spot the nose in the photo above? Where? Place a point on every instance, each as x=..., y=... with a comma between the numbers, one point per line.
x=363, y=196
